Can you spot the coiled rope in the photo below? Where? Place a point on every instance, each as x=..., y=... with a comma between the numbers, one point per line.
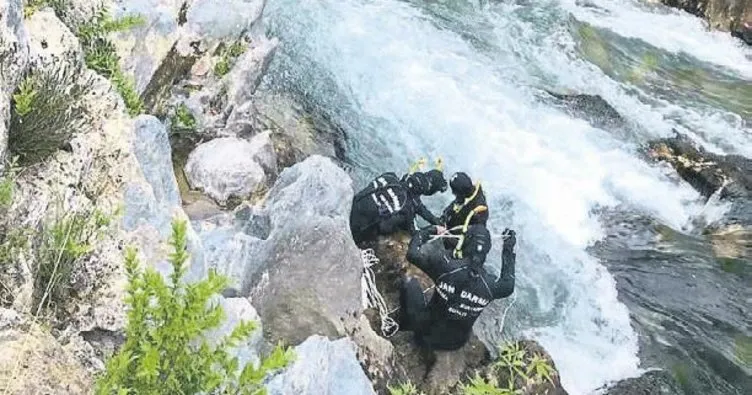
x=372, y=297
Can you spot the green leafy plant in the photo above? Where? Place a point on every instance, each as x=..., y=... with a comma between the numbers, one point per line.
x=32, y=6
x=7, y=184
x=46, y=111
x=24, y=99
x=229, y=55
x=521, y=370
x=481, y=386
x=183, y=120
x=404, y=389
x=166, y=350
x=101, y=56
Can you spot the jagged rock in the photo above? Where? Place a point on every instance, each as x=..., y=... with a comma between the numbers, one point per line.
x=433, y=372
x=151, y=206
x=215, y=103
x=296, y=133
x=231, y=167
x=33, y=362
x=143, y=48
x=592, y=108
x=726, y=15
x=212, y=21
x=14, y=58
x=308, y=281
x=248, y=70
x=322, y=367
x=743, y=32
x=705, y=171
x=152, y=148
x=231, y=252
x=656, y=382
x=50, y=40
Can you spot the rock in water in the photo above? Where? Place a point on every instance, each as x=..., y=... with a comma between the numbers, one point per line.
x=705, y=171
x=308, y=280
x=232, y=167
x=14, y=58
x=592, y=108
x=323, y=367
x=650, y=383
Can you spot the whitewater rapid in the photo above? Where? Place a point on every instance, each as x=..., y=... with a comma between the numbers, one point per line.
x=407, y=79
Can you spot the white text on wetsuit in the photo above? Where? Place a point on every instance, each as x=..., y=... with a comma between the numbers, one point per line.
x=444, y=289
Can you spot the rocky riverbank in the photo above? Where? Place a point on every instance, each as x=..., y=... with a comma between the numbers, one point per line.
x=733, y=16
x=158, y=117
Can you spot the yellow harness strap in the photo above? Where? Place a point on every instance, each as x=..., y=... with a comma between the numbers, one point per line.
x=458, y=207
x=458, y=249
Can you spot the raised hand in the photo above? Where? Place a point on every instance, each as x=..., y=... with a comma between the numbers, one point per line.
x=510, y=238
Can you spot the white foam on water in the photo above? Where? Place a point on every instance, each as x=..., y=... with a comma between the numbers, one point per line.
x=425, y=91
x=672, y=30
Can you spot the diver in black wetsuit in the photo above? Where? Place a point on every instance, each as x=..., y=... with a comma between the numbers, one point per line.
x=468, y=208
x=389, y=204
x=463, y=288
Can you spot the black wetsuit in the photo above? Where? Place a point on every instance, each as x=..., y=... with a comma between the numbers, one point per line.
x=458, y=213
x=386, y=206
x=462, y=292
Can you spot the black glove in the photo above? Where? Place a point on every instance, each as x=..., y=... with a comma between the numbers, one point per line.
x=510, y=238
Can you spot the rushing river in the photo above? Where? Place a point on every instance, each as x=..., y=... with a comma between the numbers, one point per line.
x=613, y=278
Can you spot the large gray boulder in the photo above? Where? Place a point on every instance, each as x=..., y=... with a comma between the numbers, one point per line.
x=309, y=278
x=230, y=251
x=218, y=20
x=152, y=206
x=152, y=203
x=14, y=57
x=231, y=167
x=323, y=367
x=50, y=40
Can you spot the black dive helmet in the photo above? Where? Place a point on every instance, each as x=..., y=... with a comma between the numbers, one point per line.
x=461, y=184
x=476, y=245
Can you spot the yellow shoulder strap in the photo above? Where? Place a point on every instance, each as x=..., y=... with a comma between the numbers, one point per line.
x=458, y=249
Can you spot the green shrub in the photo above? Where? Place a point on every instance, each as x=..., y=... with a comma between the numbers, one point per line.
x=46, y=111
x=7, y=185
x=183, y=120
x=33, y=6
x=166, y=351
x=101, y=56
x=229, y=55
x=62, y=244
x=404, y=389
x=520, y=368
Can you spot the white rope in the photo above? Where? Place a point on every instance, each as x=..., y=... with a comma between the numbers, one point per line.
x=372, y=296
x=506, y=310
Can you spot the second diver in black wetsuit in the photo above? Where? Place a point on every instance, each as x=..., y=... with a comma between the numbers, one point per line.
x=463, y=288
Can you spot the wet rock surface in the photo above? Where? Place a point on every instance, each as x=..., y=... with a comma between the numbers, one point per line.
x=650, y=383
x=592, y=108
x=705, y=171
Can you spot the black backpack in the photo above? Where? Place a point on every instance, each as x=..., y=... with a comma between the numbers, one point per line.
x=387, y=193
